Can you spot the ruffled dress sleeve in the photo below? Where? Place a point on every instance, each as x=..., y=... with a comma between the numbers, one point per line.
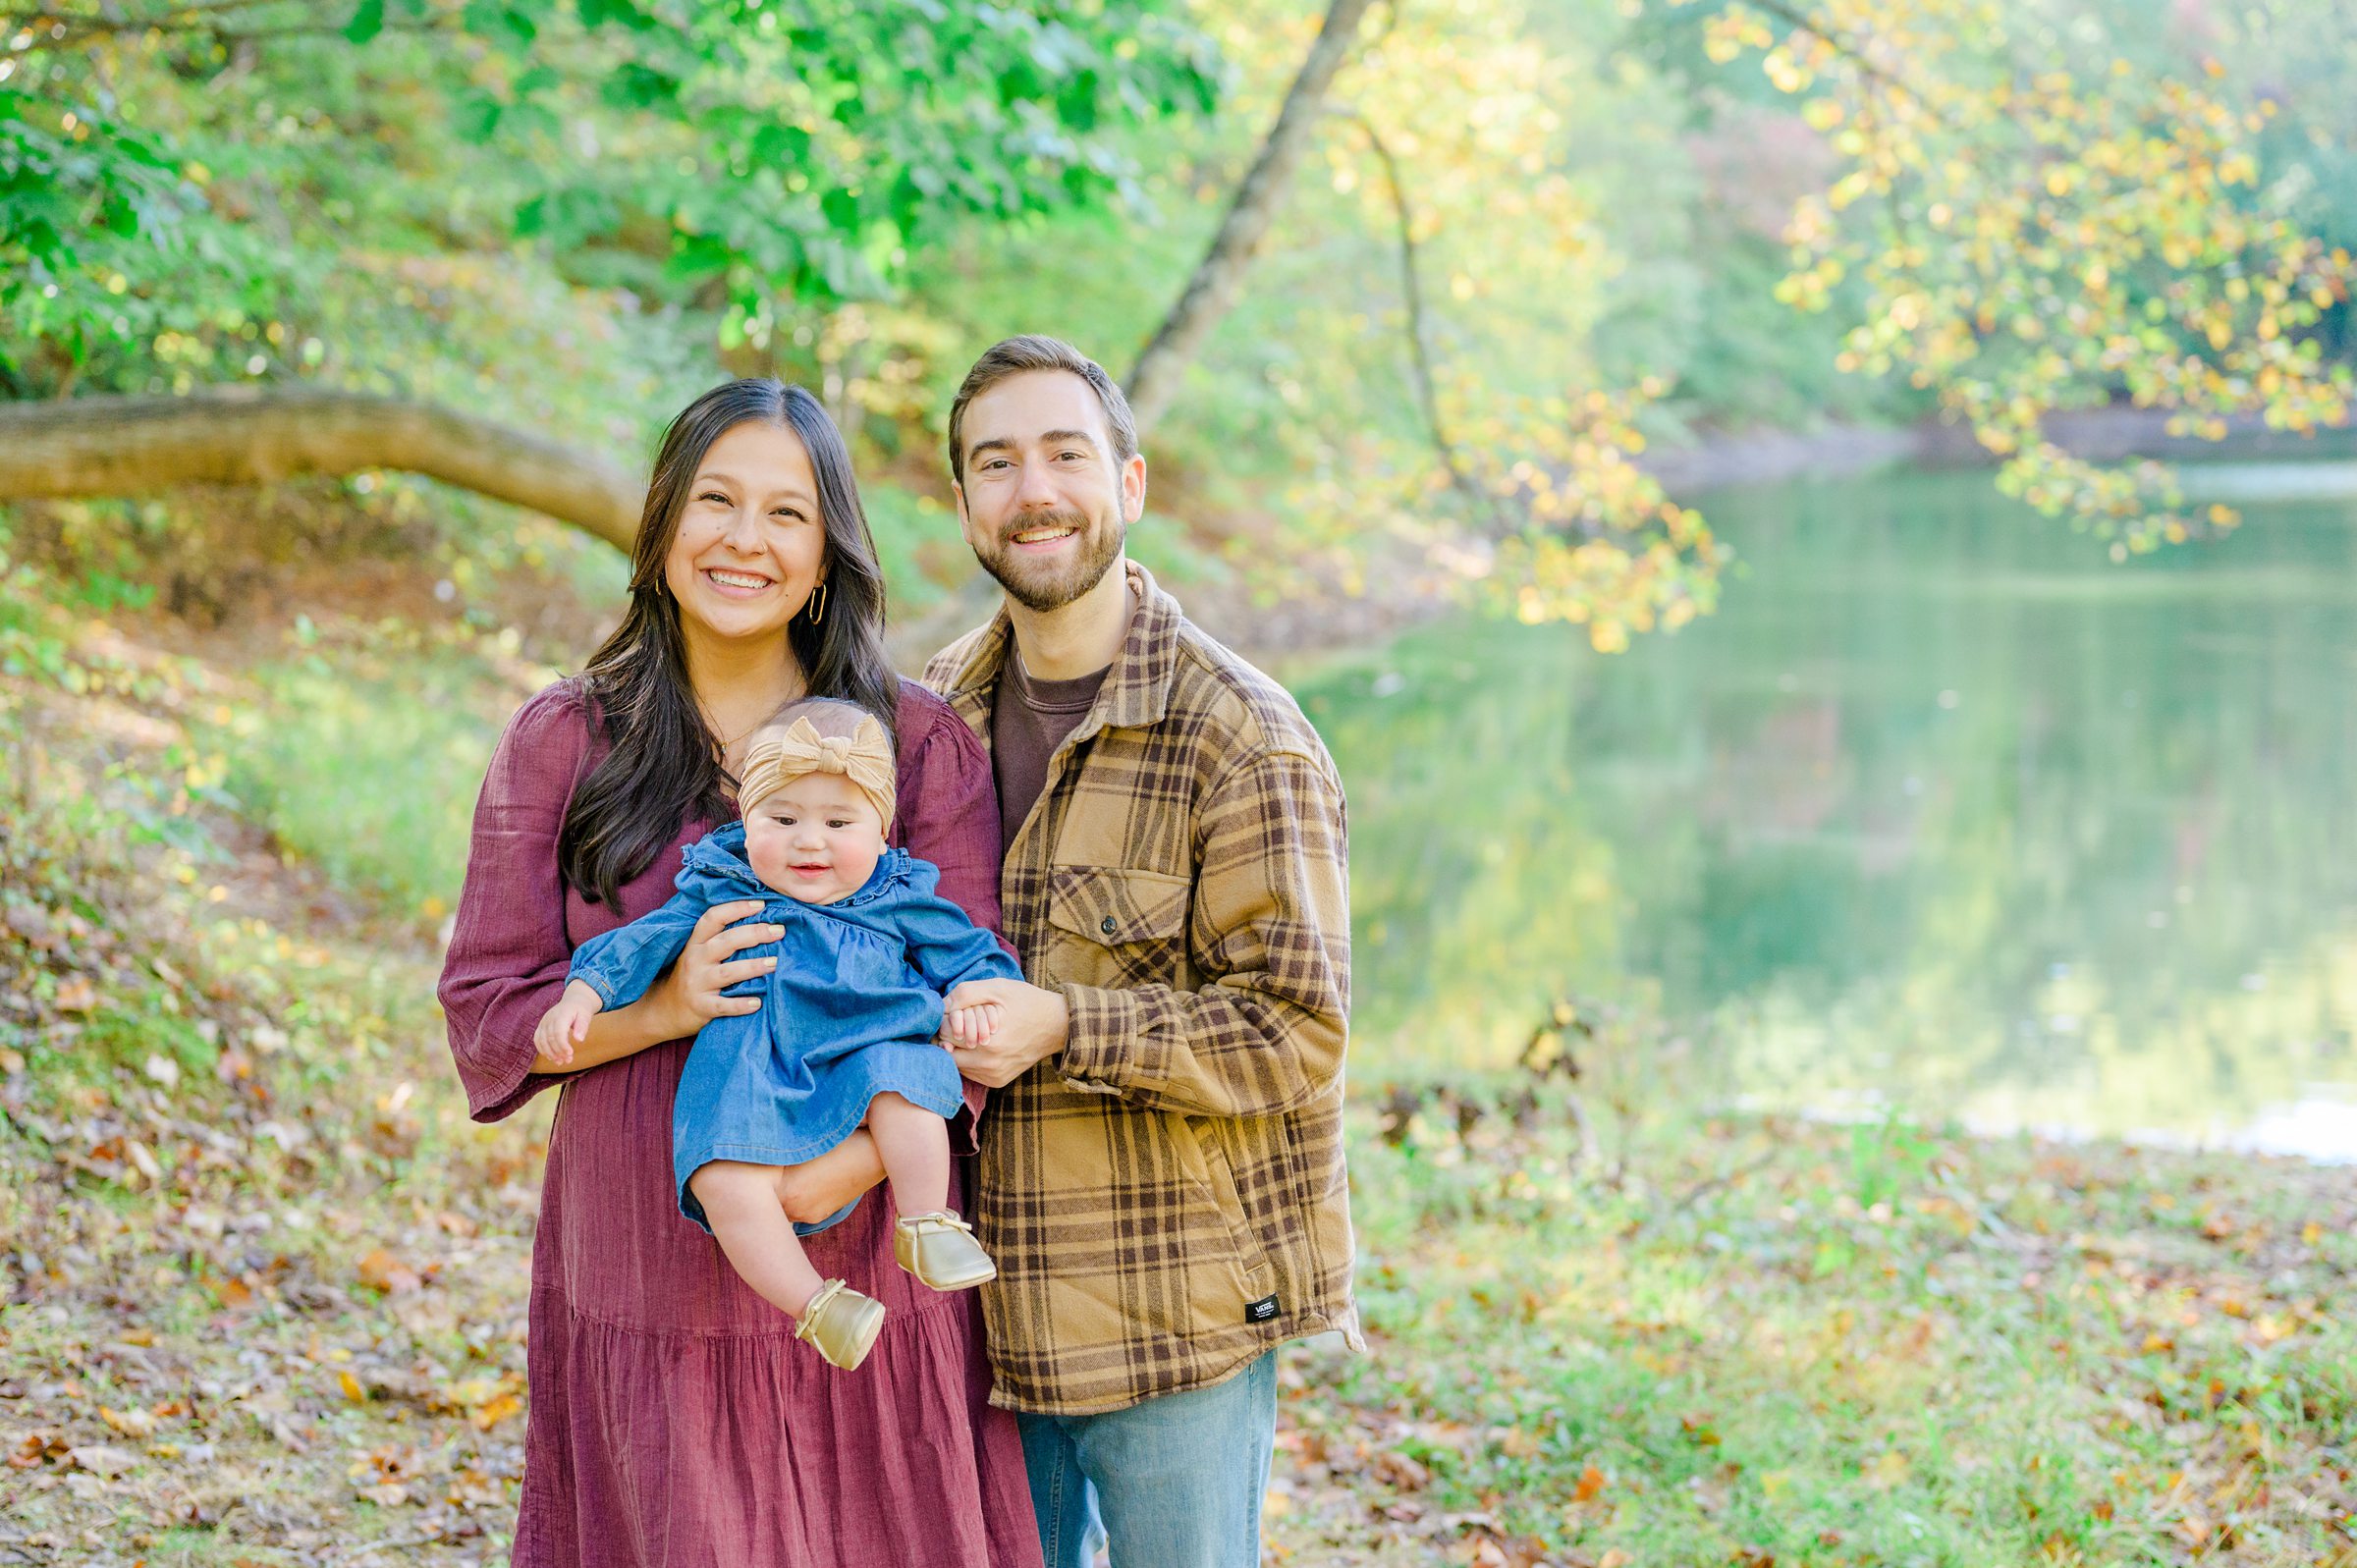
x=508, y=952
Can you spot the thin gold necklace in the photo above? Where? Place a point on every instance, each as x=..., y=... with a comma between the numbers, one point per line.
x=730, y=744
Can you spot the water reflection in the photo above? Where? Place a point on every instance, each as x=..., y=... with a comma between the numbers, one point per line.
x=1941, y=806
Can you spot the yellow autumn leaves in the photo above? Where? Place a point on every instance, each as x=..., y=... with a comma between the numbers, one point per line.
x=2025, y=235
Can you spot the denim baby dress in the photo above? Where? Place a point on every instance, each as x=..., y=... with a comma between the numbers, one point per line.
x=851, y=1010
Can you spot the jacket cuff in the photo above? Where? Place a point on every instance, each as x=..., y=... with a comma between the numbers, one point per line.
x=1099, y=1040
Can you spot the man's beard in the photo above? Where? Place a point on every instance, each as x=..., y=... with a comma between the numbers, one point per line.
x=1041, y=586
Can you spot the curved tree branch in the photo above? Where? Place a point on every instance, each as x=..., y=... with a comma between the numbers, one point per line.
x=113, y=446
x=1841, y=44
x=1154, y=380
x=1419, y=341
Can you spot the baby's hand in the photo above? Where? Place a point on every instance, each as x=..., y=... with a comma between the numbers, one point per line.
x=567, y=1024
x=971, y=1026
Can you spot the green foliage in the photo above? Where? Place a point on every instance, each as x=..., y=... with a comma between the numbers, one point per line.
x=75, y=192
x=179, y=176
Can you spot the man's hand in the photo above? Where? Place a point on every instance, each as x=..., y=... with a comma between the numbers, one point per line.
x=1029, y=1029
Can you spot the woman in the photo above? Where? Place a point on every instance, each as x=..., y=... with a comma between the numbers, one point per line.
x=674, y=1420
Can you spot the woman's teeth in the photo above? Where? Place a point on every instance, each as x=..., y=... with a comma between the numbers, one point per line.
x=738, y=579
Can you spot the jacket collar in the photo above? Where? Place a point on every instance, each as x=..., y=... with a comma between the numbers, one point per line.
x=1137, y=687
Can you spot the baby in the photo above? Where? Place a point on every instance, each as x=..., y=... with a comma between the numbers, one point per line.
x=846, y=1032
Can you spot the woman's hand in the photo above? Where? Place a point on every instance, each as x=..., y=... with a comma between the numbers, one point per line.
x=677, y=1005
x=691, y=994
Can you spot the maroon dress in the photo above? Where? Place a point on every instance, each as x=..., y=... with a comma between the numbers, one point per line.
x=673, y=1418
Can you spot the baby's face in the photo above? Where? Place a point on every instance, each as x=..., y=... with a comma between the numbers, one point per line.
x=815, y=837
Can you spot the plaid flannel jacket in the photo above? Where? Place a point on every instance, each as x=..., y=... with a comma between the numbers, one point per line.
x=1166, y=1199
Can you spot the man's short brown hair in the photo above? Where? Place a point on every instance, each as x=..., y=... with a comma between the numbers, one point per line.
x=1012, y=356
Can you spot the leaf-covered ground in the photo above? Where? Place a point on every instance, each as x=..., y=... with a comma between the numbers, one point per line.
x=1779, y=1341
x=266, y=1284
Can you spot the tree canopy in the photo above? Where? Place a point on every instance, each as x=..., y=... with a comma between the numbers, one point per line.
x=1490, y=251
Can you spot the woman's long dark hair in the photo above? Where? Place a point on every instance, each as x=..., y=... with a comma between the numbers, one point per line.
x=665, y=766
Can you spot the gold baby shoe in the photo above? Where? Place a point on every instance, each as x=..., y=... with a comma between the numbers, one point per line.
x=940, y=1249
x=841, y=1323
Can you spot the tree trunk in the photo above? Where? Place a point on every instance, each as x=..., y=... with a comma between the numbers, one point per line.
x=1211, y=292
x=127, y=446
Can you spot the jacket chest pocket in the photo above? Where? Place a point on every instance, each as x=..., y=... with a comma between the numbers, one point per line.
x=1117, y=925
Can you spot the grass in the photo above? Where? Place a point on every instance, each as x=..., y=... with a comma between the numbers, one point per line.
x=1788, y=1341
x=265, y=1283
x=364, y=761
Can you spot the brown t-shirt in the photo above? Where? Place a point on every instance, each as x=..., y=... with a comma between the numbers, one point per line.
x=1028, y=720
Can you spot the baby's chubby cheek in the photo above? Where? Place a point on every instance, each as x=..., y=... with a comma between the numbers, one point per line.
x=855, y=862
x=768, y=857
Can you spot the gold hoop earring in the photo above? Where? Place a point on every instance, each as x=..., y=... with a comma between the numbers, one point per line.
x=816, y=609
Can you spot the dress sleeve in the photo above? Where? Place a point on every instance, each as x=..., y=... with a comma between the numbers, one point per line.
x=946, y=948
x=509, y=955
x=949, y=806
x=621, y=965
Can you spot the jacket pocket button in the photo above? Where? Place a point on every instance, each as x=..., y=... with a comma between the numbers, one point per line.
x=1110, y=926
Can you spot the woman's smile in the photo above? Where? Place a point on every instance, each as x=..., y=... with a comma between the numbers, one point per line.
x=735, y=583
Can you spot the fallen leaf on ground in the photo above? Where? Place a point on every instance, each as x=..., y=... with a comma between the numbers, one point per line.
x=99, y=1459
x=497, y=1411
x=388, y=1274
x=131, y=1423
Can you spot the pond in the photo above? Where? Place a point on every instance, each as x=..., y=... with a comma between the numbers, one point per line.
x=1943, y=810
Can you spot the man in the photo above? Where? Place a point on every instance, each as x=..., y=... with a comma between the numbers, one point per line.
x=1160, y=1175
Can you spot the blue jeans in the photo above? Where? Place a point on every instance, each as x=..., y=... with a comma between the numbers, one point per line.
x=1174, y=1482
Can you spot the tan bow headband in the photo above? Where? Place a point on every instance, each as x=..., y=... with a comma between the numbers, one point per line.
x=865, y=756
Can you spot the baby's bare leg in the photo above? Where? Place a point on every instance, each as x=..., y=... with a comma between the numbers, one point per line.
x=741, y=1205
x=916, y=1146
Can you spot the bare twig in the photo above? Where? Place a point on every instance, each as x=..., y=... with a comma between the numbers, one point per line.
x=1419, y=341
x=394, y=1544
x=1728, y=1179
